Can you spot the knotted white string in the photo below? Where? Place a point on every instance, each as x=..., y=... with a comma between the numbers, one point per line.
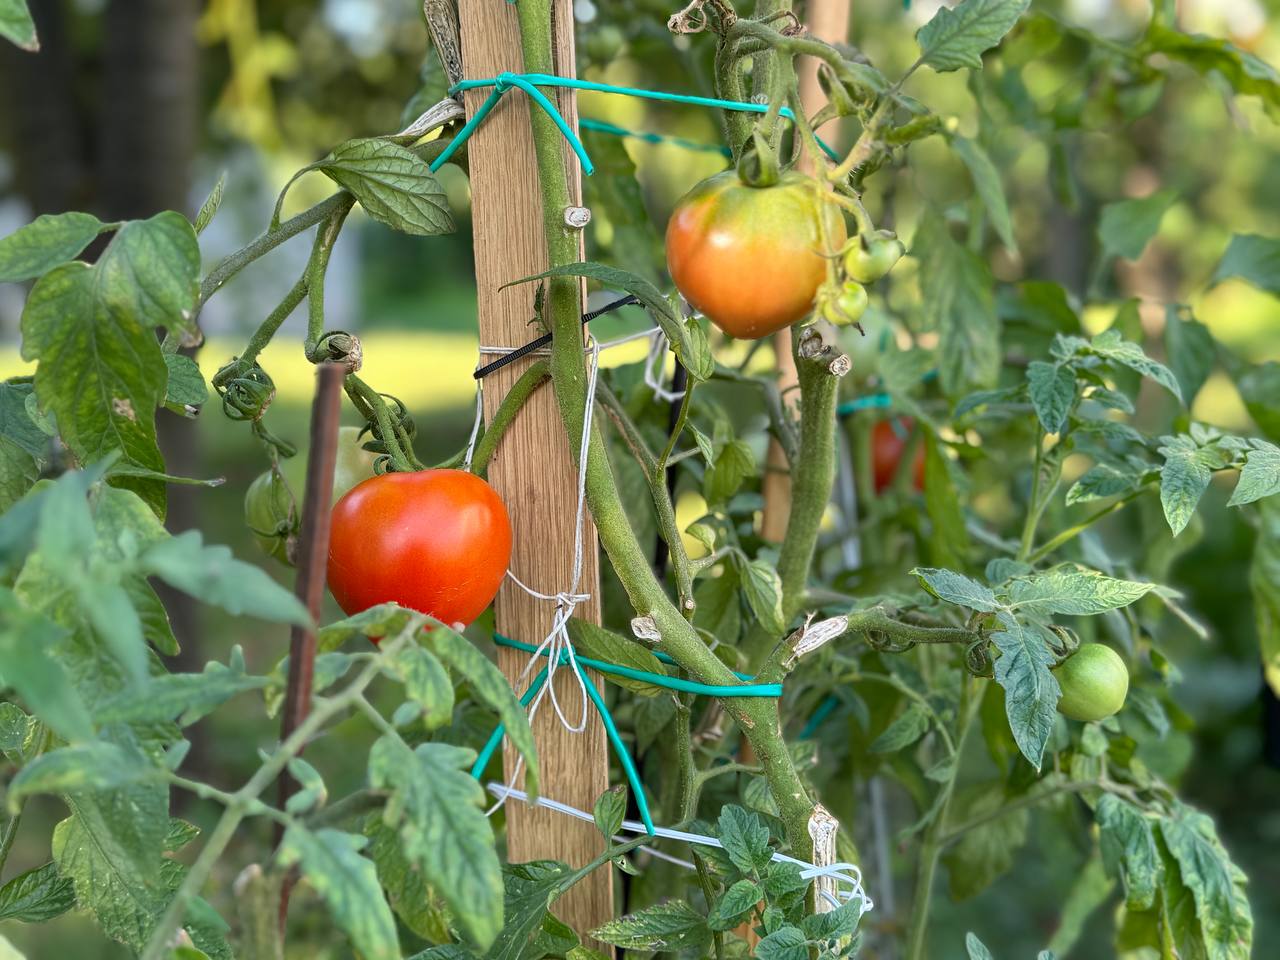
x=848, y=876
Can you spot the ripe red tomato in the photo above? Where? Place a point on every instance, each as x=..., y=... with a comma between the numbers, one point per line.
x=436, y=541
x=888, y=440
x=751, y=258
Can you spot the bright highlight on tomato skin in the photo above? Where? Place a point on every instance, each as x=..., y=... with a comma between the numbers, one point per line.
x=751, y=258
x=435, y=541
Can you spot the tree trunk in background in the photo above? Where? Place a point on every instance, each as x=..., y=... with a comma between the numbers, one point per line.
x=148, y=136
x=45, y=132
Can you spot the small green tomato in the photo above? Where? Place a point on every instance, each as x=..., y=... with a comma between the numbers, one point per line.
x=870, y=259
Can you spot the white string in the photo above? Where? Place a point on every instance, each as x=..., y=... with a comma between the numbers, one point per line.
x=848, y=876
x=475, y=425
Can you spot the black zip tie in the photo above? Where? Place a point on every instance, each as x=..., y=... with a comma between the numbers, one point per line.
x=545, y=339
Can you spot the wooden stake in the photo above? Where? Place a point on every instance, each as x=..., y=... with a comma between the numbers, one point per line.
x=533, y=468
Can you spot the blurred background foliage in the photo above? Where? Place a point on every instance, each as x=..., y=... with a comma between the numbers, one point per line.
x=139, y=105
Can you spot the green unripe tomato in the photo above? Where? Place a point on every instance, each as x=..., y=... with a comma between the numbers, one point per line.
x=353, y=464
x=1094, y=682
x=869, y=260
x=847, y=306
x=270, y=513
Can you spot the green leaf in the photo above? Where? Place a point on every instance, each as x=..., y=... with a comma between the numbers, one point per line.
x=601, y=644
x=98, y=765
x=439, y=812
x=949, y=545
x=16, y=425
x=609, y=811
x=384, y=620
x=957, y=37
x=100, y=372
x=151, y=272
x=209, y=209
x=1188, y=468
x=185, y=387
x=958, y=302
x=957, y=588
x=18, y=733
x=348, y=883
x=426, y=683
x=669, y=927
x=211, y=574
x=490, y=686
x=986, y=180
x=116, y=866
x=1031, y=692
x=47, y=241
x=394, y=185
x=1073, y=591
x=1254, y=259
x=785, y=943
x=40, y=680
x=834, y=924
x=908, y=727
x=1246, y=73
x=975, y=948
x=1129, y=850
x=17, y=26
x=18, y=473
x=1104, y=480
x=1260, y=476
x=109, y=609
x=188, y=696
x=417, y=905
x=737, y=901
x=1264, y=580
x=1052, y=387
x=1217, y=885
x=763, y=589
x=529, y=890
x=1191, y=350
x=1127, y=226
x=1259, y=388
x=745, y=838
x=733, y=464
x=1111, y=347
x=38, y=895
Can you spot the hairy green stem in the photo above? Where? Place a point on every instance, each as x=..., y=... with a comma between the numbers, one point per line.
x=931, y=849
x=371, y=405
x=505, y=415
x=229, y=266
x=1066, y=536
x=317, y=267
x=245, y=800
x=7, y=838
x=758, y=717
x=262, y=336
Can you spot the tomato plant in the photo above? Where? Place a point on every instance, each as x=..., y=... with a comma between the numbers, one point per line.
x=976, y=691
x=435, y=541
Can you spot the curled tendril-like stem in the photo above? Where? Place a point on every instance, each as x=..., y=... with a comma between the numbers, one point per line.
x=383, y=464
x=1067, y=642
x=977, y=659
x=338, y=346
x=246, y=390
x=884, y=642
x=401, y=422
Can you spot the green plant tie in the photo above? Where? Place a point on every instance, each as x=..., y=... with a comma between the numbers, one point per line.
x=748, y=688
x=529, y=83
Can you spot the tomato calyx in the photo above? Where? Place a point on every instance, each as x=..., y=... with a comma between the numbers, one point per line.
x=758, y=166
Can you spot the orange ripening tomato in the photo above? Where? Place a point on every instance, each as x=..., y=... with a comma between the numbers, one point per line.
x=436, y=541
x=751, y=258
x=888, y=440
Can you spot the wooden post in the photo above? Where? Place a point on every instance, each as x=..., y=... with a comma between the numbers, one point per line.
x=827, y=20
x=533, y=467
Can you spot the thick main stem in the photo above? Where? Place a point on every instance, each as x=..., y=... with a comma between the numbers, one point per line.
x=758, y=717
